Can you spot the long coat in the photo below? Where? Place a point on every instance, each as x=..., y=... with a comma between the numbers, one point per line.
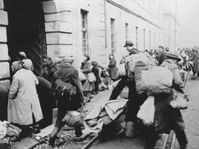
x=23, y=101
x=86, y=68
x=44, y=90
x=166, y=117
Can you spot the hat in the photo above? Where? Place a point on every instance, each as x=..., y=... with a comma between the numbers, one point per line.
x=16, y=65
x=128, y=43
x=173, y=56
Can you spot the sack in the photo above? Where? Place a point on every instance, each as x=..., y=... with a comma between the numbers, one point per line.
x=64, y=88
x=139, y=67
x=180, y=100
x=72, y=118
x=147, y=111
x=143, y=57
x=91, y=77
x=155, y=80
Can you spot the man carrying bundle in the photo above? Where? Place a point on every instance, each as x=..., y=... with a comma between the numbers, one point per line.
x=164, y=84
x=134, y=99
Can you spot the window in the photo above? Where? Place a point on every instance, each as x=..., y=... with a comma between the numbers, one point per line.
x=113, y=36
x=144, y=40
x=84, y=31
x=126, y=31
x=136, y=32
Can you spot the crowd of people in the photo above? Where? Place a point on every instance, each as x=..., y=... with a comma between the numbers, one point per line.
x=31, y=98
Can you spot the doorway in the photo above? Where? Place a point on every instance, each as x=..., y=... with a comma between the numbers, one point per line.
x=26, y=30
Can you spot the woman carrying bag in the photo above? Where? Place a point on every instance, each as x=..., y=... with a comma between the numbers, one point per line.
x=88, y=84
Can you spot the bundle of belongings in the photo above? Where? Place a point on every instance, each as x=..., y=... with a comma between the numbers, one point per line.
x=8, y=132
x=104, y=114
x=155, y=80
x=72, y=118
x=140, y=57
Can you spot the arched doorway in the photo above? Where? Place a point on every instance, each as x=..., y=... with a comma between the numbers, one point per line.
x=26, y=30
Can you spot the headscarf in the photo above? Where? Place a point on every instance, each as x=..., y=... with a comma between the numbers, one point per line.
x=27, y=64
x=16, y=65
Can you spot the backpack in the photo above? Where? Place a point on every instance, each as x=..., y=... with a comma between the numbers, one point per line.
x=63, y=88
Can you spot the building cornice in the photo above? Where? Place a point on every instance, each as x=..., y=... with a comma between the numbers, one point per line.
x=132, y=13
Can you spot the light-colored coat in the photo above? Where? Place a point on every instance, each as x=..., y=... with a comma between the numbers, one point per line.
x=23, y=100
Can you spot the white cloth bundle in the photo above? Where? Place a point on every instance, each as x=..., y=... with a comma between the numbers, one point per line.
x=147, y=111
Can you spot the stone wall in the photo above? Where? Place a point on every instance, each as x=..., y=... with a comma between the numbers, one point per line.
x=4, y=62
x=4, y=58
x=58, y=28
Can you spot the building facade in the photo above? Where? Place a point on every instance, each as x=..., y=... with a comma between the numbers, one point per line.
x=76, y=27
